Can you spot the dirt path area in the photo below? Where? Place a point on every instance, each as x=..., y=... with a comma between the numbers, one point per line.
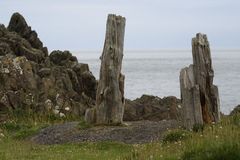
x=131, y=132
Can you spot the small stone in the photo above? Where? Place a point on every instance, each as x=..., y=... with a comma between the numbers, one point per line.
x=2, y=135
x=55, y=111
x=67, y=109
x=6, y=70
x=62, y=115
x=48, y=104
x=57, y=107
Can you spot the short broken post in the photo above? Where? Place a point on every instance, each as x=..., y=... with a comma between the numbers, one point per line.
x=200, y=99
x=110, y=101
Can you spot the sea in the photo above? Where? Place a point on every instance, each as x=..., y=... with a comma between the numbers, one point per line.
x=157, y=72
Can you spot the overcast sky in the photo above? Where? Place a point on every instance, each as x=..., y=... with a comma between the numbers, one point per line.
x=151, y=24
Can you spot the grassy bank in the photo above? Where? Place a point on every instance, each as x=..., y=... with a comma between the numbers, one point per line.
x=215, y=142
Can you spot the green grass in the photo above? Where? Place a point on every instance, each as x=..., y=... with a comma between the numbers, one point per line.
x=20, y=130
x=215, y=142
x=175, y=136
x=12, y=150
x=220, y=151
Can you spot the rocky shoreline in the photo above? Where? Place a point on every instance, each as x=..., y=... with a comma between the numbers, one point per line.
x=34, y=80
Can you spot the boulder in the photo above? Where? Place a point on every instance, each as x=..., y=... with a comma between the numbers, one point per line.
x=152, y=108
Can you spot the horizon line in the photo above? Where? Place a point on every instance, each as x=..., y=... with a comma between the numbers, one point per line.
x=159, y=50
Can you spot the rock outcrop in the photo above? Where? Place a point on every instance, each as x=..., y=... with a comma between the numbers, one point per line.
x=235, y=111
x=110, y=92
x=19, y=25
x=153, y=108
x=200, y=99
x=32, y=80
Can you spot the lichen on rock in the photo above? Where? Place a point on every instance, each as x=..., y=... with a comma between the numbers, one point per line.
x=32, y=79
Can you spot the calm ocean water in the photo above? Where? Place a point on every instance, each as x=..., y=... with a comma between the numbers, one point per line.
x=157, y=73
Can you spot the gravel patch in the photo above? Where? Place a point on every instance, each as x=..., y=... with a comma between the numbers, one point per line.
x=132, y=133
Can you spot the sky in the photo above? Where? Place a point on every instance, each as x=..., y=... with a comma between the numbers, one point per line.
x=150, y=24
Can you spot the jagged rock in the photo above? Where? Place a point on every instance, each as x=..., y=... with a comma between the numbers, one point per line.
x=30, y=79
x=16, y=73
x=235, y=111
x=19, y=25
x=110, y=93
x=62, y=58
x=89, y=81
x=86, y=81
x=17, y=81
x=74, y=80
x=200, y=97
x=4, y=103
x=5, y=49
x=80, y=68
x=152, y=108
x=13, y=43
x=44, y=72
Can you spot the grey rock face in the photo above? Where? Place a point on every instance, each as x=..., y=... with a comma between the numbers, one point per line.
x=62, y=58
x=30, y=79
x=153, y=108
x=20, y=26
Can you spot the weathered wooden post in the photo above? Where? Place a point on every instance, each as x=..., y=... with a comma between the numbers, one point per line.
x=200, y=97
x=190, y=96
x=110, y=92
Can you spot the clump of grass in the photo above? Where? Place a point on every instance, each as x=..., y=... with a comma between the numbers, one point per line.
x=235, y=119
x=226, y=150
x=84, y=125
x=30, y=116
x=25, y=133
x=135, y=155
x=175, y=136
x=20, y=130
x=11, y=126
x=198, y=128
x=218, y=141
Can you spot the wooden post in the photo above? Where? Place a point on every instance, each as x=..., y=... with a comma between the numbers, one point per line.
x=110, y=92
x=200, y=97
x=203, y=71
x=190, y=96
